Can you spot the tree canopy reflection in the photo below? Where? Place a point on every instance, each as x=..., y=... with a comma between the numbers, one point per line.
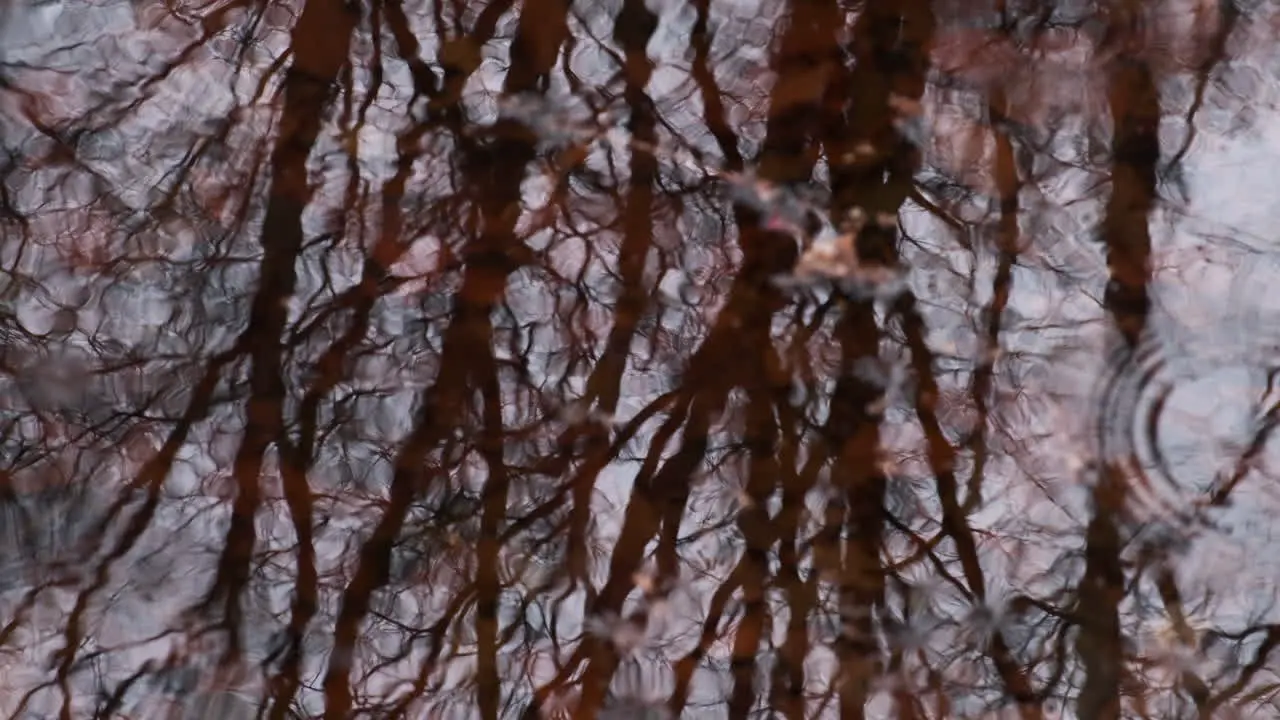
x=804, y=358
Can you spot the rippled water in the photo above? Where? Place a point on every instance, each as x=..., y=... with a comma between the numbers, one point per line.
x=799, y=358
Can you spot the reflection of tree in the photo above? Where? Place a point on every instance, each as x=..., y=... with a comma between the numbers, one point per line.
x=1135, y=113
x=452, y=357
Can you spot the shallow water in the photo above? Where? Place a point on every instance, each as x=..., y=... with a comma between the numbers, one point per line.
x=797, y=358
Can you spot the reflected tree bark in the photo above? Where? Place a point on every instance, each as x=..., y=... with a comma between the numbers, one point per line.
x=1135, y=112
x=493, y=168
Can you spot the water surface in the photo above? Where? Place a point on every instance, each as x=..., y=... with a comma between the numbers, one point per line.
x=695, y=358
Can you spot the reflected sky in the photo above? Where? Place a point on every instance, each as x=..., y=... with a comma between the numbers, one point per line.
x=692, y=358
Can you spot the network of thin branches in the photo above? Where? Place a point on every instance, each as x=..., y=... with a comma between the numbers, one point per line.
x=796, y=358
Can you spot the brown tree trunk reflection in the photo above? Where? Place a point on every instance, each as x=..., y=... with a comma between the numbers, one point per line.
x=494, y=167
x=320, y=42
x=1135, y=113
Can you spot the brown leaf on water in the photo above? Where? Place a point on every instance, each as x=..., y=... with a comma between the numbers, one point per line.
x=831, y=257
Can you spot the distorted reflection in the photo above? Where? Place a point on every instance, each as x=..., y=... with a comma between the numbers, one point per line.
x=795, y=358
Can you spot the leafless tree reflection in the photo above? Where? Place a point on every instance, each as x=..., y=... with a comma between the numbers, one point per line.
x=804, y=358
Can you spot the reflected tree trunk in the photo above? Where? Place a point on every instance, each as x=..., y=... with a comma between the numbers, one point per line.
x=493, y=169
x=320, y=44
x=1135, y=114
